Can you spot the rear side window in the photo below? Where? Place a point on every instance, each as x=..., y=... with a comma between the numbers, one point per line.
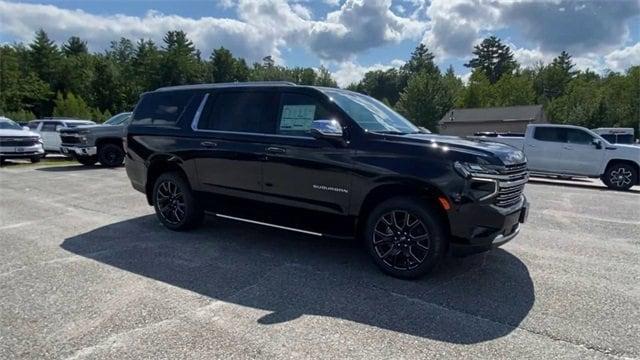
x=250, y=112
x=33, y=125
x=163, y=108
x=297, y=112
x=50, y=126
x=552, y=134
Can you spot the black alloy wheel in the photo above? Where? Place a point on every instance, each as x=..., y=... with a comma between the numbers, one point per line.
x=401, y=240
x=170, y=200
x=175, y=204
x=405, y=236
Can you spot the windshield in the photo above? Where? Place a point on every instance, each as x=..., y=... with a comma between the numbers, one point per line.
x=6, y=124
x=79, y=123
x=371, y=114
x=118, y=119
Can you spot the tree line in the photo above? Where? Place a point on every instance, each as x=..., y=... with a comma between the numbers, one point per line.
x=41, y=79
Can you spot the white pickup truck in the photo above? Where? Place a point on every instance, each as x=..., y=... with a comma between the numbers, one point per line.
x=566, y=150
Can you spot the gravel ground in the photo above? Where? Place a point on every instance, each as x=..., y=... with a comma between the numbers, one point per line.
x=86, y=271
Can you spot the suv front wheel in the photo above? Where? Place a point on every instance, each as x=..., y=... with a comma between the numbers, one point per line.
x=175, y=205
x=405, y=237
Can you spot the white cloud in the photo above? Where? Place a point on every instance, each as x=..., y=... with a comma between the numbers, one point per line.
x=302, y=11
x=622, y=59
x=350, y=72
x=529, y=58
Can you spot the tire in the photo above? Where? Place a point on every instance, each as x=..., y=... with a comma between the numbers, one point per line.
x=620, y=176
x=111, y=155
x=173, y=191
x=35, y=159
x=87, y=160
x=410, y=250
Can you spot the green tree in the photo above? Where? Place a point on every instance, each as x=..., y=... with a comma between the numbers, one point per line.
x=74, y=47
x=180, y=60
x=384, y=85
x=146, y=64
x=552, y=80
x=478, y=93
x=421, y=60
x=324, y=78
x=453, y=83
x=71, y=106
x=493, y=58
x=226, y=68
x=512, y=90
x=425, y=100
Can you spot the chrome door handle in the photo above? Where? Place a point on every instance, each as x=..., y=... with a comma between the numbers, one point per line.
x=208, y=144
x=276, y=150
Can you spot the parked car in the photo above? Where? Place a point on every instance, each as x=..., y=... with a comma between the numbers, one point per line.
x=49, y=130
x=17, y=142
x=567, y=150
x=616, y=135
x=97, y=143
x=323, y=161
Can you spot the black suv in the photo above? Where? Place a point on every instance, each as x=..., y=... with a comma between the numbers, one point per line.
x=323, y=161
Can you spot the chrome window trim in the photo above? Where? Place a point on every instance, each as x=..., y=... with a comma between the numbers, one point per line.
x=196, y=120
x=196, y=116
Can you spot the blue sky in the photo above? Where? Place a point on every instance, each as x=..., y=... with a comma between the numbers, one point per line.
x=349, y=36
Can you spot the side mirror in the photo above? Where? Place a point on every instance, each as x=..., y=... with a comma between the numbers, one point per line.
x=597, y=143
x=326, y=129
x=26, y=128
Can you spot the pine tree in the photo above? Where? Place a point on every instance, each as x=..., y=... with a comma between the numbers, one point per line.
x=74, y=46
x=493, y=58
x=222, y=66
x=421, y=60
x=180, y=60
x=44, y=58
x=71, y=106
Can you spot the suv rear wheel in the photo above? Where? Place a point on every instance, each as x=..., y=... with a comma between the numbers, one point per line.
x=175, y=205
x=111, y=155
x=405, y=237
x=620, y=176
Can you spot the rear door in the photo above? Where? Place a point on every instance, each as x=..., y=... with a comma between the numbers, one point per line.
x=232, y=133
x=302, y=171
x=544, y=149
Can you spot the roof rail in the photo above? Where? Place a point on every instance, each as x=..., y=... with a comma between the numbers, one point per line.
x=226, y=84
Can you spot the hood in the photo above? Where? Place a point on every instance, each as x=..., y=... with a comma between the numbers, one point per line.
x=18, y=133
x=91, y=128
x=506, y=154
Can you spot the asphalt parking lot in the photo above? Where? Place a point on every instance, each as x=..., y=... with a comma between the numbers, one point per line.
x=86, y=271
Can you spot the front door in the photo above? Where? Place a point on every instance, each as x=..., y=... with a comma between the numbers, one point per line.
x=580, y=156
x=544, y=149
x=301, y=171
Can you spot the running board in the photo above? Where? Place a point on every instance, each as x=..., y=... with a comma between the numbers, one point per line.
x=266, y=224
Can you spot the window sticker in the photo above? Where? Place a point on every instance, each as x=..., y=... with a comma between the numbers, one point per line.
x=297, y=117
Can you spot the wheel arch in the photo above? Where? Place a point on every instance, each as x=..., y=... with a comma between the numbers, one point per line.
x=631, y=163
x=109, y=140
x=402, y=187
x=159, y=165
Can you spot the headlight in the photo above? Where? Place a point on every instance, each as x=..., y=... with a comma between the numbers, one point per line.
x=467, y=170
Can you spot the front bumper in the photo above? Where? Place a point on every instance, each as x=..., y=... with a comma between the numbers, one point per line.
x=12, y=152
x=78, y=150
x=477, y=227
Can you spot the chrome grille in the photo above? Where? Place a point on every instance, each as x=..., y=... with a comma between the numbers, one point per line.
x=511, y=184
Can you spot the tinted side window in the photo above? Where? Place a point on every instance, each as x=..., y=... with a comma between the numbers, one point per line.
x=251, y=112
x=297, y=112
x=550, y=134
x=163, y=108
x=575, y=136
x=33, y=125
x=49, y=126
